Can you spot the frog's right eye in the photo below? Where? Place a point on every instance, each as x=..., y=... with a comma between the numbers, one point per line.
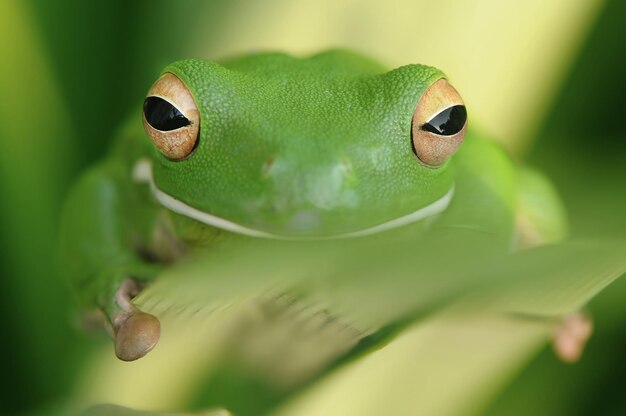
x=439, y=124
x=171, y=118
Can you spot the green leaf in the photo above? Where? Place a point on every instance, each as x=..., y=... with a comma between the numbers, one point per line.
x=449, y=364
x=316, y=323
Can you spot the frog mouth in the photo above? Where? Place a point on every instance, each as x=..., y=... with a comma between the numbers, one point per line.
x=142, y=173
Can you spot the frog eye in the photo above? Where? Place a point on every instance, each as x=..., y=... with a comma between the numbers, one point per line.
x=171, y=118
x=439, y=124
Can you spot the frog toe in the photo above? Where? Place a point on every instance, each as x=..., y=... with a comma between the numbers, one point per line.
x=571, y=335
x=136, y=334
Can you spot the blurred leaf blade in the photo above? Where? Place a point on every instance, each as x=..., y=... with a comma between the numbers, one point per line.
x=425, y=370
x=557, y=280
x=35, y=162
x=203, y=302
x=373, y=286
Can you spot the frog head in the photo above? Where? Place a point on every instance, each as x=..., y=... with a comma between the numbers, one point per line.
x=323, y=147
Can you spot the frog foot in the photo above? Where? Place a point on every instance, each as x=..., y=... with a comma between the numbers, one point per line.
x=135, y=333
x=571, y=335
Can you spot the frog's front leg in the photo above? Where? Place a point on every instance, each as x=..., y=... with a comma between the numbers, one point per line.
x=106, y=242
x=135, y=332
x=540, y=219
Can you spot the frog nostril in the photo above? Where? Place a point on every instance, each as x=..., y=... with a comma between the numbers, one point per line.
x=346, y=168
x=267, y=166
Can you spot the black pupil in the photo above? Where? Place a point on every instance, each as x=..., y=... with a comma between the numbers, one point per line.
x=162, y=115
x=448, y=122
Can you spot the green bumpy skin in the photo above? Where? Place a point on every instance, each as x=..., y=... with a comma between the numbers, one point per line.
x=296, y=148
x=300, y=147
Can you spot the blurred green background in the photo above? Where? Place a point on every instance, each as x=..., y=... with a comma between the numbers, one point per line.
x=545, y=79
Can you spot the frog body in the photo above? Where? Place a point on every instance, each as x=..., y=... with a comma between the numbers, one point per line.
x=268, y=146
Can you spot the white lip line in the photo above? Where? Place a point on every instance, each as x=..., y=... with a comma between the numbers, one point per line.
x=142, y=173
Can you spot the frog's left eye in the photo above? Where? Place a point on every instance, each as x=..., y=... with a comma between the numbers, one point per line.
x=171, y=118
x=439, y=124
